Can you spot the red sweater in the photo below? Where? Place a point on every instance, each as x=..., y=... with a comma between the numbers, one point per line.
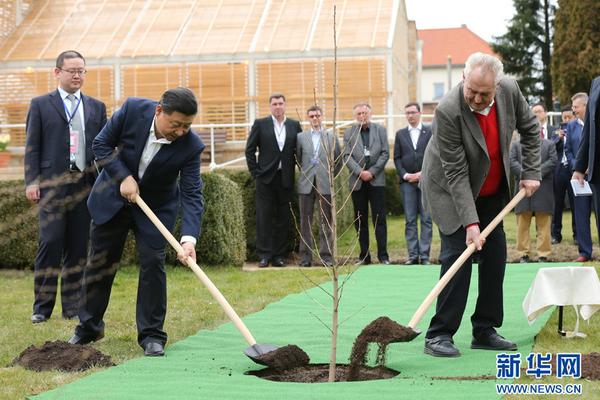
x=489, y=127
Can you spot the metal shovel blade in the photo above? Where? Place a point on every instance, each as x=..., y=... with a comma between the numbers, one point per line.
x=256, y=351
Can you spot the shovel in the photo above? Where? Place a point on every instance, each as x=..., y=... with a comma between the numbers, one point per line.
x=256, y=351
x=412, y=331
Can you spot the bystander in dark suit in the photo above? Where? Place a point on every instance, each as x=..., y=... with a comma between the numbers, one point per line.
x=540, y=205
x=275, y=139
x=318, y=156
x=562, y=180
x=59, y=174
x=409, y=148
x=588, y=157
x=366, y=151
x=582, y=205
x=146, y=148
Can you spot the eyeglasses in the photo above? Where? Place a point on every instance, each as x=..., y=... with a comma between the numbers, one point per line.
x=73, y=72
x=412, y=112
x=314, y=116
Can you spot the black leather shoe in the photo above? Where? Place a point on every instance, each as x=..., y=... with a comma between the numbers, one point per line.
x=364, y=261
x=76, y=339
x=305, y=264
x=154, y=349
x=413, y=261
x=278, y=262
x=37, y=318
x=524, y=260
x=424, y=262
x=493, y=341
x=441, y=346
x=384, y=262
x=263, y=263
x=543, y=259
x=555, y=241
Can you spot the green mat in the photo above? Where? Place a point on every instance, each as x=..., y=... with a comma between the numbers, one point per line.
x=210, y=364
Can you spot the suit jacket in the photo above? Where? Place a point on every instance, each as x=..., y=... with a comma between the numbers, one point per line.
x=47, y=143
x=354, y=155
x=456, y=160
x=586, y=156
x=262, y=136
x=172, y=176
x=573, y=142
x=406, y=158
x=543, y=199
x=311, y=174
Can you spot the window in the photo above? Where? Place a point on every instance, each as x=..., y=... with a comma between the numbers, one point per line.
x=438, y=90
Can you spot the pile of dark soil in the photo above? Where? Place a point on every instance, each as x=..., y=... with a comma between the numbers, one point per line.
x=590, y=366
x=317, y=373
x=381, y=331
x=61, y=356
x=286, y=357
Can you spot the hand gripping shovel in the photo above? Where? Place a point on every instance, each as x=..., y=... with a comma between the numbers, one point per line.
x=413, y=332
x=255, y=352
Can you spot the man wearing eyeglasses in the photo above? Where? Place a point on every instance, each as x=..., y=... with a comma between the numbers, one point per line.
x=59, y=174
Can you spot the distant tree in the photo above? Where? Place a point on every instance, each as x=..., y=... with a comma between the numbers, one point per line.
x=576, y=47
x=526, y=48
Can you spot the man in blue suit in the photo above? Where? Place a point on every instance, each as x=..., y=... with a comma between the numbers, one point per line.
x=582, y=205
x=587, y=156
x=146, y=148
x=59, y=174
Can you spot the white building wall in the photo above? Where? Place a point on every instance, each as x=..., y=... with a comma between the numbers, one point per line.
x=431, y=76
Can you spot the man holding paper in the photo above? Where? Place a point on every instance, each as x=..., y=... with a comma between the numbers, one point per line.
x=582, y=205
x=586, y=160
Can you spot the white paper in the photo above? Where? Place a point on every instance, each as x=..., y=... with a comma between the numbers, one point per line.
x=579, y=190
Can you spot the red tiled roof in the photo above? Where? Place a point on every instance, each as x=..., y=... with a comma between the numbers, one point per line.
x=458, y=43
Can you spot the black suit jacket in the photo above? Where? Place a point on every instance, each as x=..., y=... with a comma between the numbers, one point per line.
x=406, y=158
x=262, y=136
x=47, y=143
x=171, y=178
x=587, y=155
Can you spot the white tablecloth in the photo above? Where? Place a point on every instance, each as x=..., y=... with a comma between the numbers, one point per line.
x=562, y=286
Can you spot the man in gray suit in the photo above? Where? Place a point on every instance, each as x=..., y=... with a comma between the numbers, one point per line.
x=464, y=184
x=316, y=150
x=366, y=151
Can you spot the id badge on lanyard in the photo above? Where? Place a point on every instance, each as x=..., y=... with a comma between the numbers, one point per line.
x=73, y=134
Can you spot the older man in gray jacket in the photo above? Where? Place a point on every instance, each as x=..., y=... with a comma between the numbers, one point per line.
x=316, y=151
x=366, y=151
x=465, y=185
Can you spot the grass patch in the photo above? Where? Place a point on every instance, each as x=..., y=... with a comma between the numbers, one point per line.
x=190, y=308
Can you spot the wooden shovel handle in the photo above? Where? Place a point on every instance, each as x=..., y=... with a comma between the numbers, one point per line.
x=461, y=260
x=216, y=294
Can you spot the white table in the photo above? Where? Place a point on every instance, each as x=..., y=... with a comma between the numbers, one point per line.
x=563, y=286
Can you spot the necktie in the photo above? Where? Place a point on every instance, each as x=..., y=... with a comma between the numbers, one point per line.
x=542, y=132
x=76, y=125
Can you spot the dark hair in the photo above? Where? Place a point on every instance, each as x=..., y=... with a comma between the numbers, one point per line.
x=568, y=108
x=65, y=55
x=276, y=96
x=314, y=108
x=541, y=105
x=413, y=104
x=179, y=99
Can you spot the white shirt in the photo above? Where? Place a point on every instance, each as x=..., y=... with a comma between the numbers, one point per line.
x=414, y=134
x=68, y=105
x=153, y=145
x=316, y=141
x=279, y=132
x=486, y=110
x=544, y=129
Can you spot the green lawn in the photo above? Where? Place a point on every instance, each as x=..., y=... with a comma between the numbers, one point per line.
x=191, y=308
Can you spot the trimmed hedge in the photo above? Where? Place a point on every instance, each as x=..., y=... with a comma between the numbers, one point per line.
x=247, y=184
x=222, y=240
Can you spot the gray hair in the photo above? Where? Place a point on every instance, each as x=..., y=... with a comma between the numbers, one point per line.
x=362, y=104
x=581, y=95
x=487, y=63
